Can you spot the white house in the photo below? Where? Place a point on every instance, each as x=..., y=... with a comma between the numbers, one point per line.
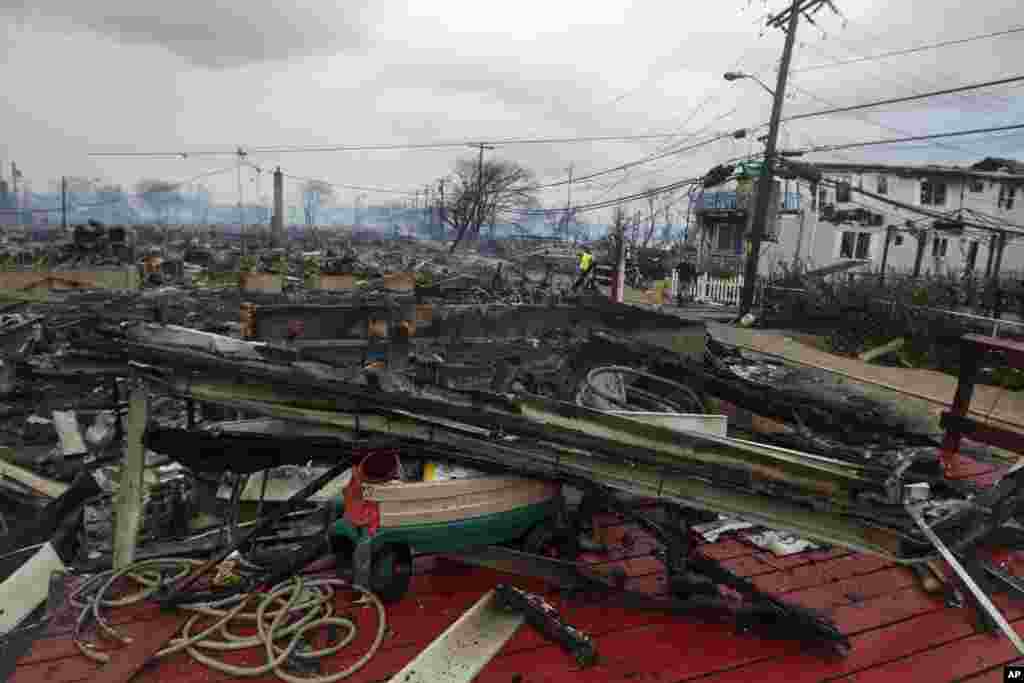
x=855, y=207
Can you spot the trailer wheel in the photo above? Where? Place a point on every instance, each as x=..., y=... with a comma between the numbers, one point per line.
x=548, y=541
x=391, y=571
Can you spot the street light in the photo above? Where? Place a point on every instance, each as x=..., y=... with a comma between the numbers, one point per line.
x=737, y=75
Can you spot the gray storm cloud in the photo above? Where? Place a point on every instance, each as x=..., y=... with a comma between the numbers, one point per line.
x=207, y=34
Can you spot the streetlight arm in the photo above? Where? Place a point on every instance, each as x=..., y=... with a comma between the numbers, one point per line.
x=738, y=75
x=762, y=84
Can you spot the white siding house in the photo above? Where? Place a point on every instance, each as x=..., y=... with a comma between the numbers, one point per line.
x=840, y=223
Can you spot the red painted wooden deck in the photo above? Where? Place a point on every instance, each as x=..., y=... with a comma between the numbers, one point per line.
x=898, y=632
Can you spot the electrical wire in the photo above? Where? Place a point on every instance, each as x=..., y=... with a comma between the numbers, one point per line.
x=362, y=188
x=911, y=50
x=638, y=162
x=394, y=147
x=905, y=98
x=912, y=138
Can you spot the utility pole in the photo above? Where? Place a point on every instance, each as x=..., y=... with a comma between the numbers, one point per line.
x=277, y=228
x=241, y=153
x=568, y=202
x=440, y=209
x=479, y=215
x=619, y=283
x=64, y=202
x=765, y=182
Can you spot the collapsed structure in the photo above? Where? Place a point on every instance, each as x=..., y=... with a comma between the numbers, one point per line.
x=524, y=392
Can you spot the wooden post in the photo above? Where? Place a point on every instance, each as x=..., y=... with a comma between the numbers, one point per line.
x=885, y=255
x=949, y=455
x=128, y=506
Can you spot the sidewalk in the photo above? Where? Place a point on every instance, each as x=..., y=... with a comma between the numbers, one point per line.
x=929, y=386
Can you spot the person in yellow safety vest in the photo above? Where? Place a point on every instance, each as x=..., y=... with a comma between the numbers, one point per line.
x=586, y=264
x=586, y=260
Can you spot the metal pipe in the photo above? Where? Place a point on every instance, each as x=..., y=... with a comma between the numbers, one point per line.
x=915, y=513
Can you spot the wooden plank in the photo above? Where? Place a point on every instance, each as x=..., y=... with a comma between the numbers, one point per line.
x=125, y=662
x=69, y=432
x=681, y=650
x=430, y=490
x=465, y=647
x=870, y=649
x=45, y=487
x=820, y=573
x=454, y=508
x=27, y=588
x=128, y=507
x=965, y=657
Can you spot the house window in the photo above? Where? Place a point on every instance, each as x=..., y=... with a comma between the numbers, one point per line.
x=822, y=197
x=843, y=191
x=883, y=184
x=855, y=245
x=939, y=247
x=972, y=257
x=977, y=185
x=730, y=238
x=1006, y=196
x=898, y=240
x=933, y=193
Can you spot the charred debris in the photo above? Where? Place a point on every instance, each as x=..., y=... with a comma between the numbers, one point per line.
x=262, y=415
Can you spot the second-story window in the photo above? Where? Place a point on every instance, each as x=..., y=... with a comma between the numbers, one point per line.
x=977, y=185
x=883, y=184
x=843, y=191
x=1007, y=193
x=933, y=193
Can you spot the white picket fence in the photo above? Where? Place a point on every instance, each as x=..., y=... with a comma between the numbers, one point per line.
x=708, y=289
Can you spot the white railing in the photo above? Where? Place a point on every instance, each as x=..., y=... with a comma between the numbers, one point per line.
x=709, y=289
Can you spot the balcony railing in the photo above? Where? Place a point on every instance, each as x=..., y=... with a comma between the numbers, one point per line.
x=740, y=201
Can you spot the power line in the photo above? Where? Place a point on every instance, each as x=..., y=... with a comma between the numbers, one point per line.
x=362, y=188
x=906, y=98
x=638, y=162
x=912, y=50
x=612, y=202
x=1006, y=227
x=391, y=147
x=912, y=138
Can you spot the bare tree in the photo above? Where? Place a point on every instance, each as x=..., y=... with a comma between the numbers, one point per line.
x=315, y=193
x=485, y=194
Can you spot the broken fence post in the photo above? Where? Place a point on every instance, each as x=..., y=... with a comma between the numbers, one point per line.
x=128, y=505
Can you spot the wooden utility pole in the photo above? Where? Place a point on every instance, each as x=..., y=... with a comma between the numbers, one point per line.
x=440, y=208
x=277, y=229
x=997, y=307
x=568, y=202
x=764, y=185
x=241, y=211
x=480, y=203
x=885, y=254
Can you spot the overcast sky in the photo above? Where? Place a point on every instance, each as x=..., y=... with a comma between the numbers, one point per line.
x=137, y=75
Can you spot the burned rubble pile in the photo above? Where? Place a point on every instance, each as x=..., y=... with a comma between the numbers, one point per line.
x=241, y=435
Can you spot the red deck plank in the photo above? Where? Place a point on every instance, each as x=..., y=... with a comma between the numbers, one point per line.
x=681, y=650
x=819, y=573
x=962, y=658
x=873, y=648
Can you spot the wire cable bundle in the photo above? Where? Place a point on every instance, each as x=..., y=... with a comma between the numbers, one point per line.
x=287, y=612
